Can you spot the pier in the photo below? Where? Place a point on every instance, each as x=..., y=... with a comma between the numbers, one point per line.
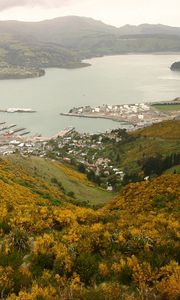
x=17, y=110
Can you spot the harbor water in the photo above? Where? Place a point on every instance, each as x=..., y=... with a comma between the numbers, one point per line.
x=121, y=79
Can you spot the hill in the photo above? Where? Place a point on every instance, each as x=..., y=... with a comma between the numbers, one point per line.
x=64, y=42
x=20, y=56
x=53, y=249
x=117, y=157
x=70, y=30
x=51, y=180
x=164, y=130
x=64, y=238
x=158, y=141
x=149, y=29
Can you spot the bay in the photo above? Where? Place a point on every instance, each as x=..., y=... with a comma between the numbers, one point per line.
x=121, y=79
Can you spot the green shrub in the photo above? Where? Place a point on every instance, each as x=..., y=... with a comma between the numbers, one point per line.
x=86, y=265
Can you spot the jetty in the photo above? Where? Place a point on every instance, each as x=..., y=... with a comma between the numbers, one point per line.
x=17, y=110
x=24, y=133
x=18, y=130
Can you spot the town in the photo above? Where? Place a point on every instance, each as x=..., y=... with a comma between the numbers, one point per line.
x=139, y=114
x=82, y=150
x=96, y=155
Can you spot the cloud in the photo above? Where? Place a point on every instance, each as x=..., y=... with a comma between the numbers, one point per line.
x=7, y=4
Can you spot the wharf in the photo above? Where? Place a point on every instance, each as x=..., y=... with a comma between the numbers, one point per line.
x=95, y=116
x=138, y=115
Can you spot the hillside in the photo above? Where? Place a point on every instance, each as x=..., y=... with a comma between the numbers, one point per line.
x=118, y=157
x=51, y=180
x=70, y=30
x=53, y=249
x=149, y=29
x=31, y=55
x=165, y=130
x=64, y=42
x=64, y=238
x=158, y=141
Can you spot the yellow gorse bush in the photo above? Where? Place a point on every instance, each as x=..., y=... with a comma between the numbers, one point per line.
x=51, y=249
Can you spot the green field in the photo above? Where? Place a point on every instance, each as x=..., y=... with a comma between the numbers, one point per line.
x=165, y=107
x=173, y=170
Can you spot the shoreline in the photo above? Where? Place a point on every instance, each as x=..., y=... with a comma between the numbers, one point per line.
x=84, y=63
x=115, y=119
x=19, y=72
x=140, y=114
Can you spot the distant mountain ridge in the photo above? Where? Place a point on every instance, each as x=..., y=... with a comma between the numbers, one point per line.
x=59, y=30
x=75, y=23
x=66, y=41
x=149, y=29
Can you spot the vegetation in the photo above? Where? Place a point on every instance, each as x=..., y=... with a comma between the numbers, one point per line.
x=156, y=146
x=113, y=159
x=19, y=73
x=53, y=249
x=62, y=237
x=63, y=177
x=164, y=130
x=166, y=108
x=24, y=59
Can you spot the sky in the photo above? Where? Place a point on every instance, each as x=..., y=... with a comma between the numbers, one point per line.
x=114, y=12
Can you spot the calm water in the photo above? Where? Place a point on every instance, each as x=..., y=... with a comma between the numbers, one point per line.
x=110, y=80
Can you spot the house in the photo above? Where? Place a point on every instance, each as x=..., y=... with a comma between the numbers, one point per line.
x=109, y=188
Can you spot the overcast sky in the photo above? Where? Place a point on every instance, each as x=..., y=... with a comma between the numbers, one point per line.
x=115, y=12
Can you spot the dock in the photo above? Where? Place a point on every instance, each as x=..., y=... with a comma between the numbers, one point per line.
x=18, y=130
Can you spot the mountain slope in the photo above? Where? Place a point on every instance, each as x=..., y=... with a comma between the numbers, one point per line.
x=51, y=178
x=61, y=30
x=52, y=246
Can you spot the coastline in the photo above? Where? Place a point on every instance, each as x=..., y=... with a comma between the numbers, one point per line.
x=17, y=72
x=115, y=119
x=141, y=114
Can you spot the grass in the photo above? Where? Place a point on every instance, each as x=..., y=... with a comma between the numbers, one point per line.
x=167, y=130
x=164, y=107
x=162, y=138
x=71, y=180
x=173, y=170
x=146, y=147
